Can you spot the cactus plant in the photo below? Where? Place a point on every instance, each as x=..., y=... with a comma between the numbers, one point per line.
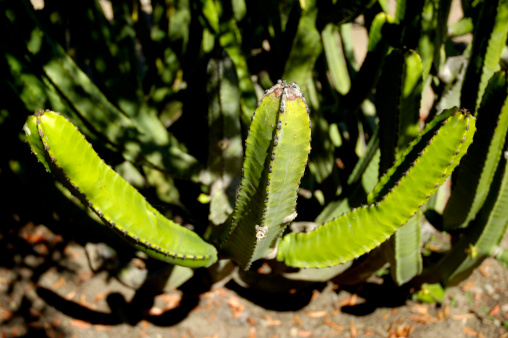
x=276, y=153
x=376, y=160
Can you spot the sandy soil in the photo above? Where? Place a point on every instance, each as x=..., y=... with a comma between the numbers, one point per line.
x=47, y=288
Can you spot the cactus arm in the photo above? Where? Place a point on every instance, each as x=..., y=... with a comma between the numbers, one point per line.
x=403, y=251
x=461, y=27
x=434, y=19
x=335, y=59
x=399, y=119
x=250, y=199
x=118, y=204
x=306, y=47
x=482, y=238
x=363, y=178
x=230, y=40
x=276, y=154
x=477, y=170
x=367, y=76
x=417, y=174
x=490, y=34
x=225, y=142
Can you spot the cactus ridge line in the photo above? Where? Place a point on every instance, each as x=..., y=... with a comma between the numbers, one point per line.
x=392, y=205
x=276, y=153
x=275, y=203
x=68, y=153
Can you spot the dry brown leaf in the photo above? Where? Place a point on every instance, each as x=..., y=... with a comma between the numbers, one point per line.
x=100, y=327
x=333, y=325
x=339, y=163
x=273, y=322
x=463, y=316
x=352, y=299
x=419, y=308
x=468, y=285
x=191, y=335
x=237, y=307
x=82, y=300
x=70, y=295
x=155, y=311
x=440, y=315
x=298, y=320
x=80, y=324
x=171, y=300
x=369, y=333
x=316, y=314
x=446, y=310
x=423, y=318
x=495, y=310
x=99, y=297
x=59, y=283
x=344, y=302
x=304, y=333
x=403, y=330
x=484, y=269
x=353, y=331
x=252, y=332
x=469, y=331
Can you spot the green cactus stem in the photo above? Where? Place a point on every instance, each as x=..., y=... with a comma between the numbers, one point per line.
x=72, y=160
x=416, y=175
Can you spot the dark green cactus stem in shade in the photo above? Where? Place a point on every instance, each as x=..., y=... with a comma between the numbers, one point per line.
x=277, y=149
x=72, y=160
x=482, y=238
x=473, y=180
x=415, y=176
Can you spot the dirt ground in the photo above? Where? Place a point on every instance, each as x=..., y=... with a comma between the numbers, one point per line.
x=47, y=288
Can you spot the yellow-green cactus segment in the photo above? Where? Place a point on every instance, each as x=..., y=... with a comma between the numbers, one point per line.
x=238, y=242
x=288, y=160
x=425, y=165
x=117, y=203
x=34, y=140
x=276, y=154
